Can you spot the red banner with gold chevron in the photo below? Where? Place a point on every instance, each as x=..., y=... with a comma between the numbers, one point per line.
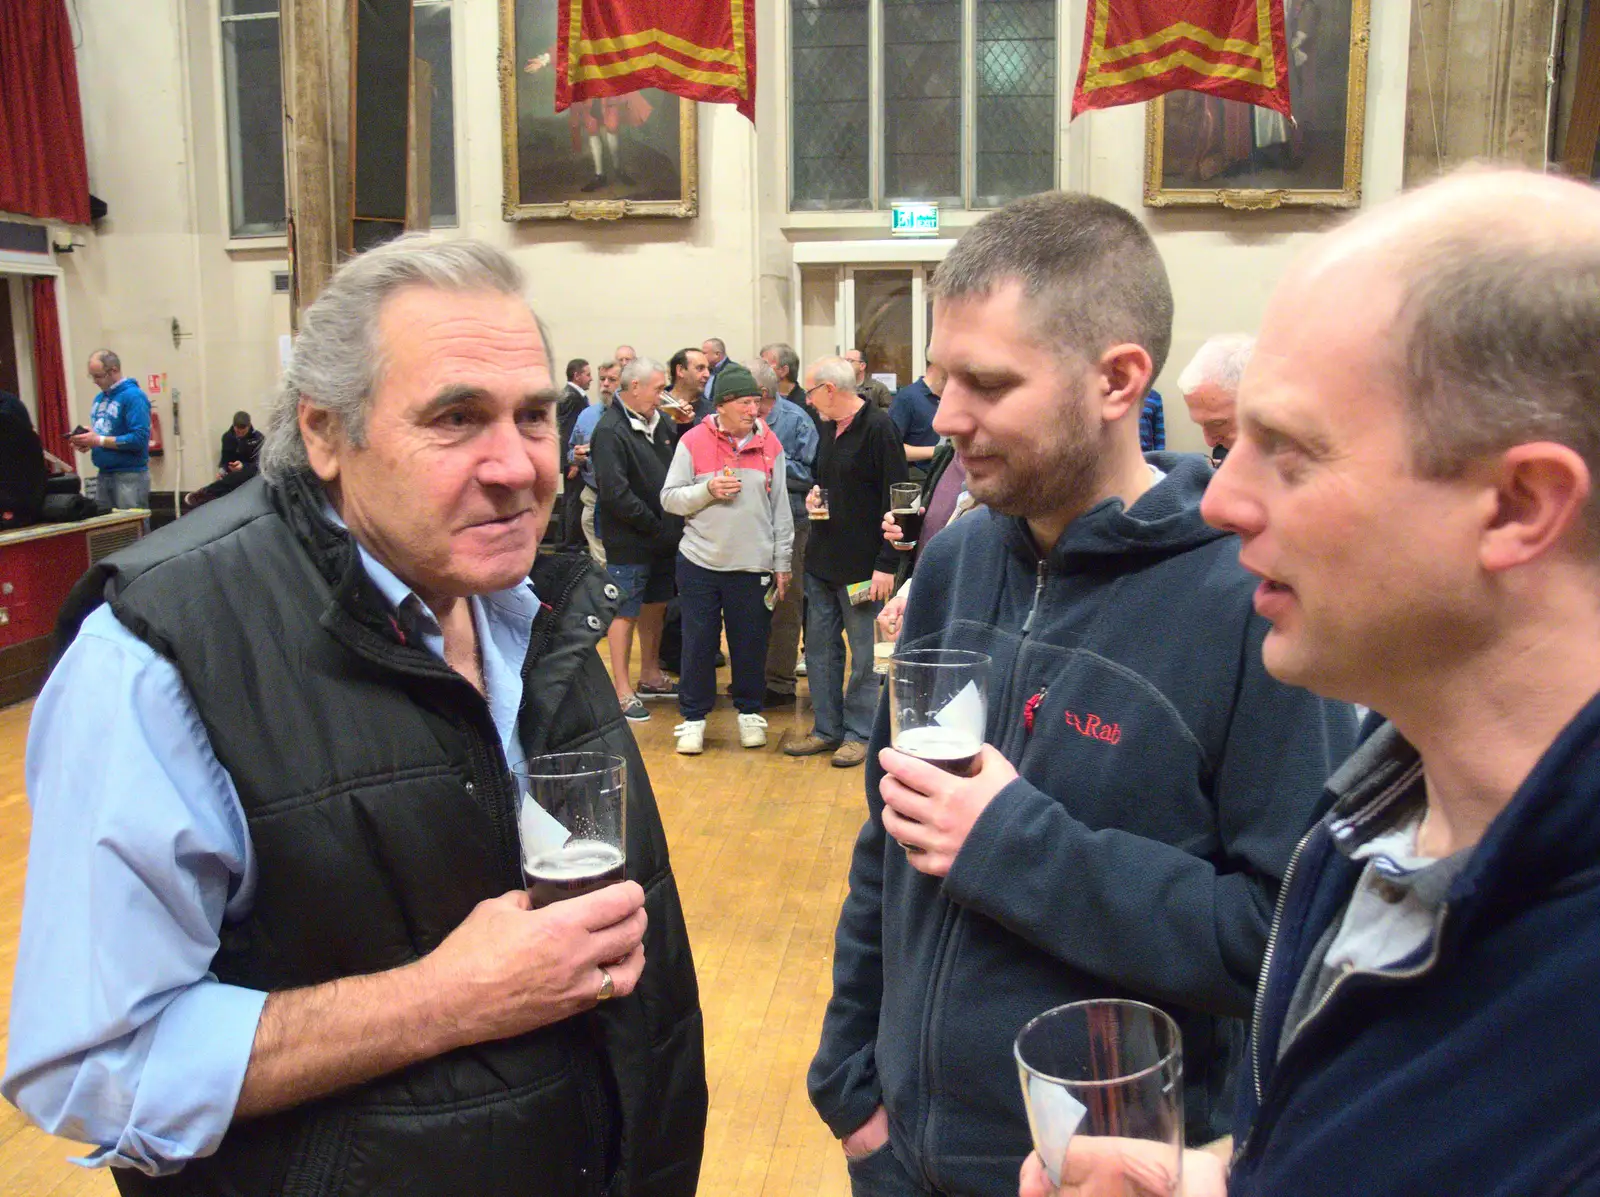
x=1135, y=50
x=698, y=49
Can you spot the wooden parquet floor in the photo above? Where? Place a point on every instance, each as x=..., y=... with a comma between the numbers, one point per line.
x=761, y=845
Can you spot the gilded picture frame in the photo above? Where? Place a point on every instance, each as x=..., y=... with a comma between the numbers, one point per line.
x=1204, y=152
x=634, y=155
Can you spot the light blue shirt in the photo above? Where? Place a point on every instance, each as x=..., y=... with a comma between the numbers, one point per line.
x=120, y=1034
x=798, y=436
x=582, y=433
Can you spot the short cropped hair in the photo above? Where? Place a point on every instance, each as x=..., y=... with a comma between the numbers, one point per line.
x=241, y=419
x=575, y=367
x=721, y=345
x=788, y=359
x=1089, y=270
x=108, y=360
x=1220, y=362
x=1500, y=345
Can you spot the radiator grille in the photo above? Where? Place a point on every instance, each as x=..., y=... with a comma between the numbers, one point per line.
x=105, y=541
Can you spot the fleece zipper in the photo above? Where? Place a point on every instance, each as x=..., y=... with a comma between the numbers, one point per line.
x=932, y=1010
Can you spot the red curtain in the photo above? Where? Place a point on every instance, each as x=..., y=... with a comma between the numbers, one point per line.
x=44, y=171
x=49, y=375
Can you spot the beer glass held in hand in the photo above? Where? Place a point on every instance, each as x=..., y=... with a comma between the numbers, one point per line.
x=817, y=503
x=572, y=823
x=905, y=506
x=939, y=706
x=1112, y=1071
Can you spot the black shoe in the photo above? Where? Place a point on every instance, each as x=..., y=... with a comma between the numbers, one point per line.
x=722, y=659
x=594, y=184
x=777, y=698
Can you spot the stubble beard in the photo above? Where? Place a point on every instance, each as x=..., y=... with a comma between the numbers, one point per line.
x=1062, y=474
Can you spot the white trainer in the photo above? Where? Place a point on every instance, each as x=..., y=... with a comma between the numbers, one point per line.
x=752, y=732
x=691, y=734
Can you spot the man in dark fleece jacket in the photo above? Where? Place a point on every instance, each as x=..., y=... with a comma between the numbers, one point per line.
x=1415, y=483
x=1144, y=780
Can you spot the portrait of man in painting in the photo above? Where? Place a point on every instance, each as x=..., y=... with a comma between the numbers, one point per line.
x=616, y=156
x=1203, y=148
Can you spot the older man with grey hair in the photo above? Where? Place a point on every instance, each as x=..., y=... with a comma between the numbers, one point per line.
x=1210, y=386
x=849, y=569
x=289, y=874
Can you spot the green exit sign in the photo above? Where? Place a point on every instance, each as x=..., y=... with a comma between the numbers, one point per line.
x=914, y=220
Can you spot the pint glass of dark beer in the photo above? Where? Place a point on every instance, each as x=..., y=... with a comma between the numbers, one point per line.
x=905, y=505
x=572, y=823
x=939, y=706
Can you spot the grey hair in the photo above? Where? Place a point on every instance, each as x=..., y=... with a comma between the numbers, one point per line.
x=338, y=358
x=1090, y=271
x=787, y=358
x=766, y=377
x=1220, y=362
x=722, y=346
x=108, y=359
x=639, y=370
x=836, y=370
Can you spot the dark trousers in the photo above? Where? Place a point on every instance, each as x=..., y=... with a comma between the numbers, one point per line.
x=229, y=482
x=709, y=598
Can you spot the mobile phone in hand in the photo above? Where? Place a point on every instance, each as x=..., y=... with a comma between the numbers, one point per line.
x=78, y=430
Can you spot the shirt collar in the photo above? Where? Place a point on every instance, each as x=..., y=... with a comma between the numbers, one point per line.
x=648, y=427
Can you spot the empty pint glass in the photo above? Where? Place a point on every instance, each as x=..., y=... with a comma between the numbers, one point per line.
x=939, y=706
x=572, y=823
x=1113, y=1070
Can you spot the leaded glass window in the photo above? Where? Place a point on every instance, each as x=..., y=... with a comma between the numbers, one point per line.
x=1015, y=81
x=831, y=125
x=947, y=100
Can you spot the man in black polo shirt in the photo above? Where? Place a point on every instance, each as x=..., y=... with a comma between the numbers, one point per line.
x=858, y=459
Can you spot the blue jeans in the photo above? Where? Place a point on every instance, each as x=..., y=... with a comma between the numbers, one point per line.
x=842, y=709
x=122, y=488
x=709, y=598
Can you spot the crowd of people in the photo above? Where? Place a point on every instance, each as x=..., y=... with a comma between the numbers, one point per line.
x=1374, y=943
x=749, y=505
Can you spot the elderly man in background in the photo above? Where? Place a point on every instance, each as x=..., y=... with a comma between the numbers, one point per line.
x=623, y=355
x=870, y=389
x=631, y=450
x=727, y=482
x=118, y=437
x=578, y=444
x=276, y=934
x=798, y=436
x=1210, y=388
x=785, y=363
x=849, y=567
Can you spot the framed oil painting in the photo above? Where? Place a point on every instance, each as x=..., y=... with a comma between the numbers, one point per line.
x=632, y=155
x=1200, y=150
